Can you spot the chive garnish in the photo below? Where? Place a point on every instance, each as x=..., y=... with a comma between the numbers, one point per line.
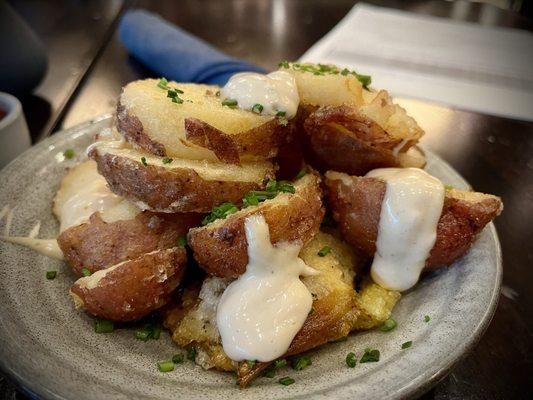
x=143, y=161
x=370, y=356
x=165, y=366
x=191, y=354
x=269, y=373
x=148, y=331
x=324, y=250
x=86, y=272
x=220, y=212
x=103, y=326
x=257, y=108
x=286, y=381
x=231, y=103
x=250, y=363
x=280, y=363
x=406, y=345
x=50, y=275
x=281, y=113
x=388, y=325
x=426, y=318
x=163, y=83
x=284, y=64
x=177, y=358
x=301, y=362
x=217, y=93
x=182, y=241
x=167, y=160
x=156, y=332
x=68, y=153
x=143, y=335
x=448, y=187
x=350, y=359
x=339, y=340
x=302, y=173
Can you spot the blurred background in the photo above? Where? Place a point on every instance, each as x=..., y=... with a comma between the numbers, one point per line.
x=463, y=69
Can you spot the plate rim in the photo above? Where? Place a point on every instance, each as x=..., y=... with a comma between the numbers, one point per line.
x=416, y=387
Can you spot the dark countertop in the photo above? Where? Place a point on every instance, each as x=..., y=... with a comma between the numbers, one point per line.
x=88, y=66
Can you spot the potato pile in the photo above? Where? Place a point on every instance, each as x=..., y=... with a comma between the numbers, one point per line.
x=192, y=165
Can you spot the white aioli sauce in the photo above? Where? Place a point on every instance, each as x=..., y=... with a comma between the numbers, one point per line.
x=260, y=313
x=407, y=231
x=276, y=91
x=47, y=247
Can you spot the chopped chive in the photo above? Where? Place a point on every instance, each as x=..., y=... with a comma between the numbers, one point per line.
x=426, y=318
x=220, y=212
x=250, y=363
x=342, y=339
x=167, y=160
x=286, y=187
x=406, y=345
x=156, y=332
x=250, y=200
x=231, y=103
x=370, y=356
x=280, y=363
x=301, y=362
x=448, y=187
x=286, y=381
x=68, y=153
x=165, y=366
x=177, y=358
x=182, y=241
x=143, y=335
x=257, y=108
x=350, y=359
x=217, y=93
x=163, y=83
x=345, y=71
x=302, y=173
x=271, y=186
x=86, y=272
x=281, y=113
x=103, y=326
x=284, y=64
x=388, y=325
x=143, y=161
x=269, y=373
x=50, y=275
x=191, y=354
x=324, y=250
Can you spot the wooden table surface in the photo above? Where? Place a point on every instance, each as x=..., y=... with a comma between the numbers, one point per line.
x=88, y=66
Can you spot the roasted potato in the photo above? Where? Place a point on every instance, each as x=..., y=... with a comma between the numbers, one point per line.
x=221, y=248
x=375, y=305
x=180, y=185
x=356, y=205
x=98, y=244
x=199, y=128
x=131, y=289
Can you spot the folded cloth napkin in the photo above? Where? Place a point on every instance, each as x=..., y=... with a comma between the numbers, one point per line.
x=175, y=54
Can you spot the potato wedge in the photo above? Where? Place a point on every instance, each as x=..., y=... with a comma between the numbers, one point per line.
x=344, y=139
x=179, y=186
x=98, y=244
x=221, y=248
x=356, y=205
x=131, y=289
x=148, y=118
x=375, y=305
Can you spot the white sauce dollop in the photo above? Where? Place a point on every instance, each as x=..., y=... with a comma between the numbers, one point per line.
x=46, y=247
x=260, y=313
x=276, y=92
x=407, y=231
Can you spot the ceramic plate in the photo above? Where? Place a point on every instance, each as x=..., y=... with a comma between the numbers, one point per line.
x=53, y=351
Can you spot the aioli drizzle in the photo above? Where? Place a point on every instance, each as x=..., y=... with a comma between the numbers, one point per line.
x=407, y=231
x=260, y=313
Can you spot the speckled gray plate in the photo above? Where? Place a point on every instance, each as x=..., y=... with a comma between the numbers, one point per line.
x=53, y=351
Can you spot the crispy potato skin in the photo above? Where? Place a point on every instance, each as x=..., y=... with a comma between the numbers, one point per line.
x=97, y=244
x=168, y=190
x=357, y=206
x=341, y=139
x=222, y=250
x=261, y=142
x=132, y=129
x=134, y=288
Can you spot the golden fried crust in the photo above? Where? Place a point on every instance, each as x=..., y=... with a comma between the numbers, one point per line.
x=132, y=289
x=261, y=142
x=131, y=127
x=96, y=244
x=341, y=139
x=168, y=190
x=221, y=247
x=356, y=205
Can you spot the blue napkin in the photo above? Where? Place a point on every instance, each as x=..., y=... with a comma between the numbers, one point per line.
x=175, y=54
